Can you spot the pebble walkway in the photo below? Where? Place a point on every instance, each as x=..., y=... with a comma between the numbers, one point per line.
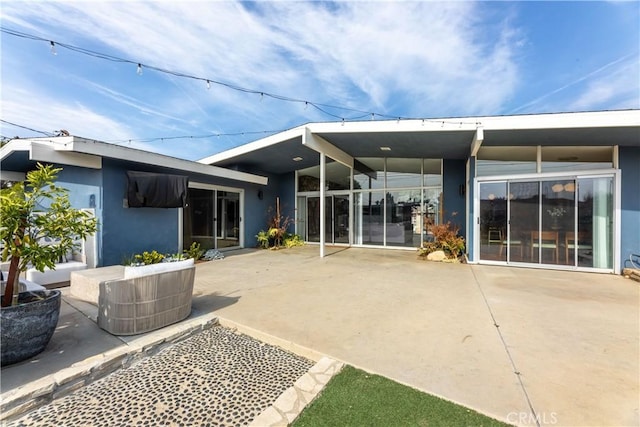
x=216, y=378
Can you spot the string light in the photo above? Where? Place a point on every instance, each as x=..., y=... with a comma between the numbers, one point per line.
x=323, y=108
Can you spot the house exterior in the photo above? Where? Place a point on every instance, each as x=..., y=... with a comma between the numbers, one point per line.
x=557, y=191
x=547, y=190
x=96, y=175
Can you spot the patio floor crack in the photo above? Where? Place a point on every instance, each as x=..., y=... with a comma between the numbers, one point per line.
x=516, y=371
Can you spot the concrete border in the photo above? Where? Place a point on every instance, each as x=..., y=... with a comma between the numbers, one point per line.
x=290, y=346
x=292, y=402
x=30, y=396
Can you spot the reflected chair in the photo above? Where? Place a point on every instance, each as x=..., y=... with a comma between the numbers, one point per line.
x=571, y=244
x=545, y=240
x=514, y=242
x=494, y=235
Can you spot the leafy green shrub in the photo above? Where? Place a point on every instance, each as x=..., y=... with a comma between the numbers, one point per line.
x=147, y=258
x=194, y=251
x=263, y=239
x=291, y=240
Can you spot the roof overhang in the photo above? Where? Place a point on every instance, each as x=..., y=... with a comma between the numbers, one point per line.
x=19, y=155
x=451, y=138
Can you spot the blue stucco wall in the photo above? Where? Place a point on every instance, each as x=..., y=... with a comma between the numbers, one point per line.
x=629, y=164
x=256, y=210
x=82, y=184
x=85, y=192
x=126, y=231
x=453, y=176
x=287, y=193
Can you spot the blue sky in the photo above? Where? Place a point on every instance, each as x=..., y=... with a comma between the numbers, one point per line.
x=394, y=59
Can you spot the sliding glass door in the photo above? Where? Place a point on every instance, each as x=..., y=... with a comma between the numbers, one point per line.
x=212, y=218
x=551, y=221
x=592, y=245
x=493, y=221
x=227, y=219
x=336, y=218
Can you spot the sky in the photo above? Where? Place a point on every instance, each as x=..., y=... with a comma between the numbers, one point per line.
x=274, y=65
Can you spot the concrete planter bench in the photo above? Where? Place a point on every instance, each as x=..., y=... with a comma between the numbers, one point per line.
x=134, y=300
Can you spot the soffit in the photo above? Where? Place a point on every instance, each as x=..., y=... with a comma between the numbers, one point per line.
x=432, y=144
x=275, y=158
x=623, y=136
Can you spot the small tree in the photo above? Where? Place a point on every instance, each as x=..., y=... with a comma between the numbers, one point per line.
x=25, y=225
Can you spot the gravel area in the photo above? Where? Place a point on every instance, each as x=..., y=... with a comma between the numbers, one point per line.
x=216, y=378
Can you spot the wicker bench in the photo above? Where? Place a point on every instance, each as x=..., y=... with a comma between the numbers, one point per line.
x=134, y=300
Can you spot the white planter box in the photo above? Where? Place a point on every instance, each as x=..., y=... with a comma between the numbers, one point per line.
x=146, y=270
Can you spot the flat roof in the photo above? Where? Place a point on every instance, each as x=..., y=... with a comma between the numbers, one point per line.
x=19, y=155
x=448, y=138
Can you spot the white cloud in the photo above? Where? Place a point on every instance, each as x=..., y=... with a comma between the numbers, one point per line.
x=364, y=55
x=619, y=89
x=614, y=85
x=27, y=107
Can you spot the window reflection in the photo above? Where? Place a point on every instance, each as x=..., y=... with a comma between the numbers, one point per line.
x=403, y=173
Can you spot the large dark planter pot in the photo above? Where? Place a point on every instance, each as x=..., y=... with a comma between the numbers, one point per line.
x=26, y=328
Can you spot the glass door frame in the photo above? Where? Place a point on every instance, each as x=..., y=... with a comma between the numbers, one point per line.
x=215, y=189
x=330, y=231
x=575, y=175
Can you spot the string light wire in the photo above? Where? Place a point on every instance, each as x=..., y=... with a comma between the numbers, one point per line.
x=27, y=128
x=154, y=139
x=322, y=107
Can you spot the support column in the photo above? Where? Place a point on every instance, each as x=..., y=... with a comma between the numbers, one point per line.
x=323, y=162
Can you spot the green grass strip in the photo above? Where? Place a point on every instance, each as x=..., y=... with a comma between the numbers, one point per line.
x=357, y=398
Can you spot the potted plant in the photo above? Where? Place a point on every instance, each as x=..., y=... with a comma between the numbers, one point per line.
x=38, y=227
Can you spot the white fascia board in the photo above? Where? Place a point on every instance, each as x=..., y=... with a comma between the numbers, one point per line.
x=253, y=146
x=478, y=138
x=49, y=154
x=621, y=118
x=13, y=146
x=426, y=125
x=124, y=153
x=323, y=146
x=45, y=151
x=12, y=176
x=596, y=119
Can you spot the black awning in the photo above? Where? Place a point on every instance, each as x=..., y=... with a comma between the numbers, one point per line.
x=155, y=190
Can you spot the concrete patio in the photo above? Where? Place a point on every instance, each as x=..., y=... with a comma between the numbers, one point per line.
x=526, y=346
